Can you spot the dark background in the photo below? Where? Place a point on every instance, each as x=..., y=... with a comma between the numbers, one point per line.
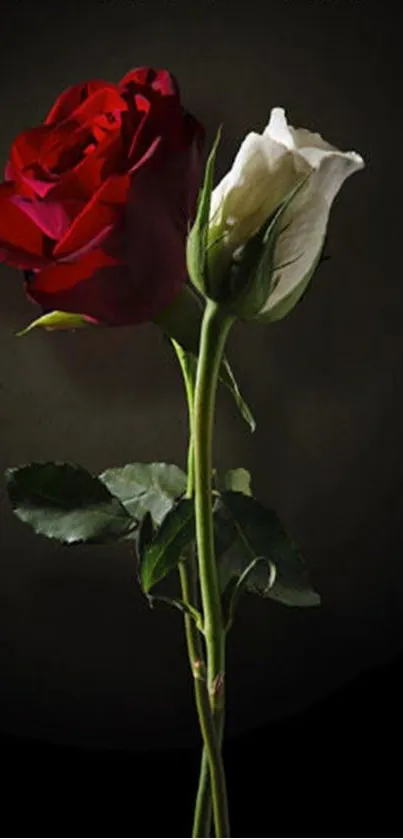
x=314, y=696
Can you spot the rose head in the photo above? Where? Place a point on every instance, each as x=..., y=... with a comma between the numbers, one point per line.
x=97, y=200
x=269, y=216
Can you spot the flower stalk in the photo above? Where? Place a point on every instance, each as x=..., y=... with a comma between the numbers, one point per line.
x=194, y=643
x=201, y=402
x=189, y=593
x=214, y=332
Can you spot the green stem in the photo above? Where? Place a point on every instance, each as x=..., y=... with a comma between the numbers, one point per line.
x=188, y=372
x=215, y=328
x=202, y=813
x=188, y=581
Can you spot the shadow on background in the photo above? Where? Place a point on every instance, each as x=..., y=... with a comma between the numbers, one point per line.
x=332, y=771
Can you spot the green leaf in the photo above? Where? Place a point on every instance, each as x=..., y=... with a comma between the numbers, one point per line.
x=197, y=240
x=146, y=487
x=143, y=537
x=57, y=320
x=162, y=554
x=245, y=529
x=63, y=501
x=237, y=480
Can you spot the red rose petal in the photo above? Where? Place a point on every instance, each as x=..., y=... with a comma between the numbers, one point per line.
x=139, y=75
x=163, y=196
x=27, y=184
x=91, y=244
x=69, y=142
x=117, y=168
x=21, y=239
x=21, y=183
x=165, y=83
x=9, y=171
x=51, y=217
x=141, y=270
x=138, y=142
x=26, y=147
x=102, y=211
x=150, y=152
x=97, y=118
x=159, y=80
x=86, y=163
x=107, y=293
x=87, y=177
x=100, y=288
x=70, y=99
x=104, y=100
x=23, y=166
x=63, y=148
x=60, y=278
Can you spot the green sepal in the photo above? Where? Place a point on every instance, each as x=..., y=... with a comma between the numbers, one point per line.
x=287, y=303
x=53, y=321
x=249, y=280
x=197, y=240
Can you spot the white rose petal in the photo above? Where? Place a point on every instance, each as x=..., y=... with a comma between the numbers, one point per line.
x=263, y=173
x=303, y=229
x=266, y=169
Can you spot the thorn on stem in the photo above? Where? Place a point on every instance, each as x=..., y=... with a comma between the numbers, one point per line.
x=217, y=689
x=199, y=670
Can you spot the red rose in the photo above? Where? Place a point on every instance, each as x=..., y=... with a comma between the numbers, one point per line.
x=97, y=200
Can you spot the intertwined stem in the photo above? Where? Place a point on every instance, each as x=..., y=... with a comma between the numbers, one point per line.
x=189, y=593
x=214, y=332
x=201, y=402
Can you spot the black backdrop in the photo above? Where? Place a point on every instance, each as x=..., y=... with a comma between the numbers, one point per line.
x=83, y=661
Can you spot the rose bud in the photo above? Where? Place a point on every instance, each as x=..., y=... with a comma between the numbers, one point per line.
x=259, y=235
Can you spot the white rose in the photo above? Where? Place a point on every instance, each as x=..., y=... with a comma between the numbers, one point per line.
x=266, y=169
